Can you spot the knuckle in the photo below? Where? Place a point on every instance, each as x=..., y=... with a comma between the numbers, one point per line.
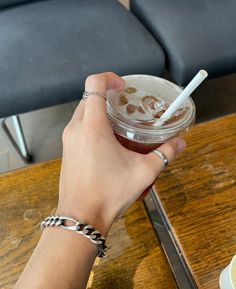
x=66, y=134
x=111, y=74
x=91, y=79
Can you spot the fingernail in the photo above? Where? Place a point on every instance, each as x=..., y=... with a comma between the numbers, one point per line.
x=181, y=145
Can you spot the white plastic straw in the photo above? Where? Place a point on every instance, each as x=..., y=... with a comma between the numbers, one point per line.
x=193, y=84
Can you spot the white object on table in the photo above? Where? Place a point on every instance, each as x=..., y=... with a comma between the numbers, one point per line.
x=228, y=276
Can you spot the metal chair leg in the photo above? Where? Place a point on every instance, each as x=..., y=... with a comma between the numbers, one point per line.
x=18, y=145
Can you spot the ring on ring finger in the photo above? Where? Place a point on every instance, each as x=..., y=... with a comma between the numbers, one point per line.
x=162, y=156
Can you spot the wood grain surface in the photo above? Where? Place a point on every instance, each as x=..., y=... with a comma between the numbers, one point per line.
x=198, y=193
x=135, y=259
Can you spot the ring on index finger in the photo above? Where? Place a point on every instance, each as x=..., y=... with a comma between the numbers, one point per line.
x=86, y=94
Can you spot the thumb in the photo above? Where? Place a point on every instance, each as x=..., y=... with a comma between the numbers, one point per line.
x=169, y=149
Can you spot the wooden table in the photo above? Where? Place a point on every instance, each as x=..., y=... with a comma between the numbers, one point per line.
x=135, y=259
x=198, y=193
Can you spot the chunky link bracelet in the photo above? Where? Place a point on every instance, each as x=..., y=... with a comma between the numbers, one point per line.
x=80, y=227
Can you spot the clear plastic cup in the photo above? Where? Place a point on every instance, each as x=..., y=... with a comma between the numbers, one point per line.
x=136, y=127
x=137, y=130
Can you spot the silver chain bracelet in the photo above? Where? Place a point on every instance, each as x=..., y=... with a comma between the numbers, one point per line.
x=81, y=228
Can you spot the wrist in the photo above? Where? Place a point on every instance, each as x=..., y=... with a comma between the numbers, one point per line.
x=67, y=240
x=95, y=217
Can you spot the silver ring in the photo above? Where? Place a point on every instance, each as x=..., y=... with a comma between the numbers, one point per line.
x=86, y=94
x=162, y=156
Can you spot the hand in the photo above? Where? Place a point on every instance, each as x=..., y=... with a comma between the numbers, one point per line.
x=99, y=177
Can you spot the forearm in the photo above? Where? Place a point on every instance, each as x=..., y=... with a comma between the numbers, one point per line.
x=61, y=260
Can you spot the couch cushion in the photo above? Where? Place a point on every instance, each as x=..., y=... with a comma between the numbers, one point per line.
x=47, y=49
x=194, y=33
x=8, y=3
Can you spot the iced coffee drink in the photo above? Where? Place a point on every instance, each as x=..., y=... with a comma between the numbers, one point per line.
x=135, y=113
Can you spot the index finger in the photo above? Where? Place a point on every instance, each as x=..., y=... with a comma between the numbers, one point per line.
x=95, y=106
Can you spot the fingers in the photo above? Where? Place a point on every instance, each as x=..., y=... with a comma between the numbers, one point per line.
x=95, y=106
x=104, y=81
x=169, y=149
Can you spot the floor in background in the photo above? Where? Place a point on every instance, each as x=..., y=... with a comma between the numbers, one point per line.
x=43, y=129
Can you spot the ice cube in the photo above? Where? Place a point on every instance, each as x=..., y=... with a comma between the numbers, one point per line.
x=140, y=109
x=149, y=102
x=130, y=108
x=123, y=100
x=130, y=90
